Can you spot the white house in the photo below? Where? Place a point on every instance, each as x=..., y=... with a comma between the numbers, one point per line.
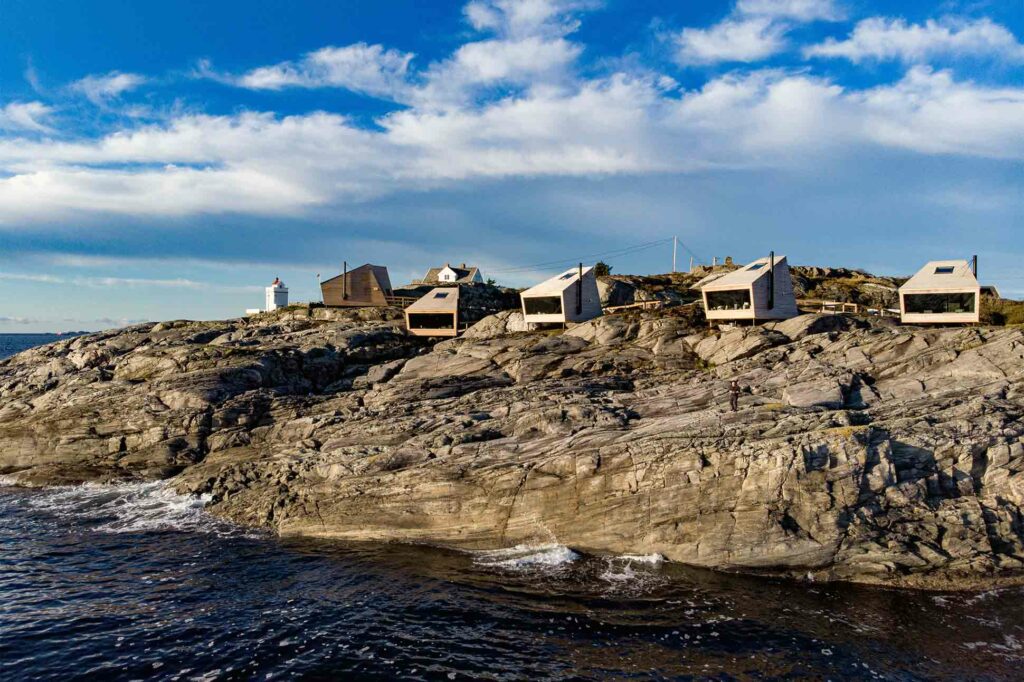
x=449, y=274
x=571, y=296
x=277, y=295
x=762, y=290
x=942, y=292
x=435, y=314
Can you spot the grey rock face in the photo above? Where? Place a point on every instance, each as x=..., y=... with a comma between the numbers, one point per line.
x=860, y=452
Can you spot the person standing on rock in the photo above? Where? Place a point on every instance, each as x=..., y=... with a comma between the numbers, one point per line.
x=734, y=395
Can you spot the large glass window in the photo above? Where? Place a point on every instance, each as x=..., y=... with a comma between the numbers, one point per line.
x=543, y=305
x=431, y=321
x=732, y=299
x=960, y=302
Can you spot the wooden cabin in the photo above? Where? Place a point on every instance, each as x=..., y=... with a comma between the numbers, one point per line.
x=571, y=296
x=365, y=286
x=435, y=314
x=762, y=290
x=942, y=292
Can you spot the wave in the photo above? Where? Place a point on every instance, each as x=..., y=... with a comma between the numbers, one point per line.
x=525, y=557
x=130, y=508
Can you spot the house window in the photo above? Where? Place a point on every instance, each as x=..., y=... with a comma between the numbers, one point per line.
x=441, y=294
x=756, y=266
x=944, y=270
x=543, y=305
x=731, y=299
x=568, y=275
x=934, y=304
x=431, y=321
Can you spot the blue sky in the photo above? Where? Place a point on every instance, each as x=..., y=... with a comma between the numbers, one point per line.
x=165, y=160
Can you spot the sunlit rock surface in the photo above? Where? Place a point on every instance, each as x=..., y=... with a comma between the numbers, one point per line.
x=862, y=450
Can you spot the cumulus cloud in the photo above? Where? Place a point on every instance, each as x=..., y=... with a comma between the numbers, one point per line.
x=101, y=89
x=369, y=69
x=755, y=30
x=527, y=47
x=880, y=38
x=732, y=40
x=556, y=123
x=523, y=18
x=25, y=116
x=261, y=164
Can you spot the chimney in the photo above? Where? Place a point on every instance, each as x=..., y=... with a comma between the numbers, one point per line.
x=462, y=267
x=771, y=280
x=344, y=281
x=974, y=266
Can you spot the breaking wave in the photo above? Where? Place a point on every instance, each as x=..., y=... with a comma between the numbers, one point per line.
x=525, y=557
x=130, y=508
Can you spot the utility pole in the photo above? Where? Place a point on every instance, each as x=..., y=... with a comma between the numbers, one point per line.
x=675, y=242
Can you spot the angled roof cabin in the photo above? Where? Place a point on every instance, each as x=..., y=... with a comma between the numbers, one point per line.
x=435, y=314
x=942, y=292
x=571, y=296
x=365, y=286
x=762, y=290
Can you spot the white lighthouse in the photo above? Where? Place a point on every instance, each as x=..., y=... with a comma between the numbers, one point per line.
x=277, y=295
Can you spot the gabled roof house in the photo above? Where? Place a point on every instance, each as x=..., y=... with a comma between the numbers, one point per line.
x=762, y=290
x=942, y=292
x=450, y=274
x=365, y=286
x=571, y=296
x=435, y=314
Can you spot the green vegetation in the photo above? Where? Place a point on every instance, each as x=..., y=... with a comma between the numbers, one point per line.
x=602, y=269
x=1001, y=311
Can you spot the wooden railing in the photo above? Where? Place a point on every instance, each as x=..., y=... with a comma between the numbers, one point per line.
x=401, y=301
x=828, y=306
x=641, y=305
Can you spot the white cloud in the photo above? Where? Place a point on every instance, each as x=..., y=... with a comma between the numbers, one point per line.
x=521, y=18
x=731, y=40
x=101, y=89
x=537, y=117
x=370, y=69
x=28, y=116
x=528, y=48
x=797, y=10
x=879, y=38
x=101, y=282
x=259, y=164
x=754, y=30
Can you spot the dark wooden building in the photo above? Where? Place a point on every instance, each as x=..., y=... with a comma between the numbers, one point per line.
x=365, y=286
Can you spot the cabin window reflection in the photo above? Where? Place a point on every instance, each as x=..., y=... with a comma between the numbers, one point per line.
x=929, y=304
x=431, y=321
x=732, y=299
x=543, y=305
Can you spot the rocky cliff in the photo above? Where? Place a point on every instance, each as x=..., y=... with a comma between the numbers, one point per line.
x=862, y=450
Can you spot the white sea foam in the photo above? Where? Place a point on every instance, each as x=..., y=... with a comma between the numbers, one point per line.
x=130, y=508
x=524, y=557
x=653, y=559
x=8, y=481
x=632, y=574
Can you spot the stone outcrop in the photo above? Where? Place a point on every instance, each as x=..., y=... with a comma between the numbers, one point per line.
x=862, y=451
